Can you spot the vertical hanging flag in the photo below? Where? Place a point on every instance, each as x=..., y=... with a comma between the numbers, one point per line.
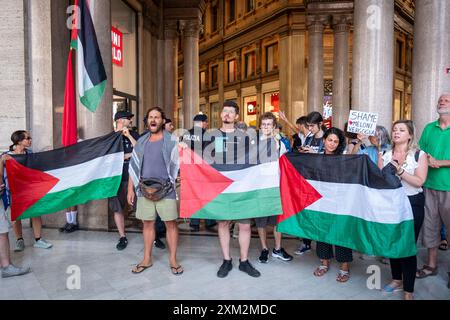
x=90, y=69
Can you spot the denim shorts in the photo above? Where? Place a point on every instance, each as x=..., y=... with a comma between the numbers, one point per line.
x=5, y=221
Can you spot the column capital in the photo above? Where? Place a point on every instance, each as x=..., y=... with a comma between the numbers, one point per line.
x=341, y=23
x=316, y=23
x=170, y=29
x=191, y=28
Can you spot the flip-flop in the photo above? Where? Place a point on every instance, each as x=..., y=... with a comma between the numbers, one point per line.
x=143, y=268
x=444, y=245
x=177, y=270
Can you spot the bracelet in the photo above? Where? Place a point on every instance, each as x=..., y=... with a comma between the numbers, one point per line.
x=403, y=171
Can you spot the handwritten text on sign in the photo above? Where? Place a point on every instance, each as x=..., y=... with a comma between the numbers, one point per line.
x=362, y=122
x=117, y=48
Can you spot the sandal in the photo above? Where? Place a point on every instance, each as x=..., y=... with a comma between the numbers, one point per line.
x=140, y=268
x=426, y=271
x=321, y=270
x=343, y=276
x=444, y=245
x=177, y=270
x=393, y=287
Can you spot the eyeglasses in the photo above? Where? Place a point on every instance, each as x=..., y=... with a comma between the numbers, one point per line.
x=28, y=138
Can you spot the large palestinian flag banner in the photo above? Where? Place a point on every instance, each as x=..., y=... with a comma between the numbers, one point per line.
x=47, y=182
x=347, y=201
x=228, y=191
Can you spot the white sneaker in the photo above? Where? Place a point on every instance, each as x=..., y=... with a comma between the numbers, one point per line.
x=12, y=271
x=41, y=243
x=20, y=245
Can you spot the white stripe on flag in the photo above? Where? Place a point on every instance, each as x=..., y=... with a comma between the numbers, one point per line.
x=262, y=176
x=374, y=205
x=99, y=168
x=84, y=82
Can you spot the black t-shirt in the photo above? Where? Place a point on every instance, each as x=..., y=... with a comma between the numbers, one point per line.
x=226, y=147
x=297, y=142
x=128, y=148
x=194, y=138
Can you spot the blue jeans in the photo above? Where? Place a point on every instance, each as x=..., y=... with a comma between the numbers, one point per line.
x=443, y=233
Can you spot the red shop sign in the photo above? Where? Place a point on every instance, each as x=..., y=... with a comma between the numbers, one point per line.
x=117, y=52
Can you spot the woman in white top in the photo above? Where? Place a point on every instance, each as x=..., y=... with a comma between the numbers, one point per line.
x=412, y=170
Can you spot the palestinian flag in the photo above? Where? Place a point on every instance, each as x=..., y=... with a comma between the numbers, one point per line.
x=227, y=191
x=346, y=201
x=90, y=68
x=47, y=182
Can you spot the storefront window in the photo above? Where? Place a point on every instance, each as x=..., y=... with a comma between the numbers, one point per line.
x=250, y=111
x=272, y=103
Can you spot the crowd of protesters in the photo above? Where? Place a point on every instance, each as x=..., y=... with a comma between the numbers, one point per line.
x=423, y=168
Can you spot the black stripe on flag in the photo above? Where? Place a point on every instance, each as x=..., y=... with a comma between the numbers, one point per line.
x=75, y=154
x=353, y=169
x=92, y=58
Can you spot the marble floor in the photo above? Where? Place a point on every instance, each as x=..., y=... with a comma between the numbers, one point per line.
x=105, y=273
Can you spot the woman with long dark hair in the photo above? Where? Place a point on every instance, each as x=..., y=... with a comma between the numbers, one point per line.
x=21, y=143
x=334, y=144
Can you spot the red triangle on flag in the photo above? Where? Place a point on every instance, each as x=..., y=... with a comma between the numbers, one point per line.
x=200, y=183
x=296, y=193
x=27, y=186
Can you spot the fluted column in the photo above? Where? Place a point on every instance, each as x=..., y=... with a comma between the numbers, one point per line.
x=373, y=58
x=170, y=67
x=94, y=214
x=431, y=58
x=341, y=83
x=316, y=26
x=191, y=91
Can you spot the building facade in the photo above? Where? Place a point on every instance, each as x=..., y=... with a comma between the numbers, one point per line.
x=389, y=57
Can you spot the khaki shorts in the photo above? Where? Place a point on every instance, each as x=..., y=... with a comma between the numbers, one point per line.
x=165, y=208
x=5, y=220
x=437, y=211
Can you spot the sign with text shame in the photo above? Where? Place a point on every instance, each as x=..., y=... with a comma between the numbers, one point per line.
x=362, y=122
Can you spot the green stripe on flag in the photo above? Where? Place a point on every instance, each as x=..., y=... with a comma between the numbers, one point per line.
x=242, y=205
x=93, y=96
x=74, y=44
x=373, y=238
x=94, y=190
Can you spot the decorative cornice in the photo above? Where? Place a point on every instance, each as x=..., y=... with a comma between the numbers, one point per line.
x=316, y=23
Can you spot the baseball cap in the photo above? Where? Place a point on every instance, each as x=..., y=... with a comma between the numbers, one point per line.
x=123, y=114
x=201, y=117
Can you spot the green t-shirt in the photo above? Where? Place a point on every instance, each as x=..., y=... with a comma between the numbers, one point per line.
x=436, y=142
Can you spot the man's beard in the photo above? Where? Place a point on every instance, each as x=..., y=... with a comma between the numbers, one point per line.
x=443, y=111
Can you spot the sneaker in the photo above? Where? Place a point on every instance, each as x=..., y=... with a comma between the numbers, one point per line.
x=20, y=245
x=248, y=268
x=71, y=228
x=63, y=229
x=225, y=268
x=42, y=244
x=264, y=256
x=123, y=242
x=12, y=270
x=302, y=249
x=159, y=244
x=281, y=254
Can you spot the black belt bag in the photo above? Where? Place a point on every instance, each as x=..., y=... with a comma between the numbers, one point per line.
x=155, y=189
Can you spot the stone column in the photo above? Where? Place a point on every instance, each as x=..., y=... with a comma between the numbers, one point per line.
x=170, y=68
x=431, y=58
x=341, y=83
x=191, y=91
x=13, y=95
x=94, y=214
x=315, y=64
x=40, y=74
x=373, y=58
x=292, y=71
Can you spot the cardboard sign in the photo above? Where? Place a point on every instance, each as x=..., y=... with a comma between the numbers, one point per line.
x=117, y=47
x=362, y=122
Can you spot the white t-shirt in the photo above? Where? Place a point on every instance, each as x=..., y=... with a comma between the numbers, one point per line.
x=410, y=165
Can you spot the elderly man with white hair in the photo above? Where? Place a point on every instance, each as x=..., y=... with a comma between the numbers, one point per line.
x=435, y=141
